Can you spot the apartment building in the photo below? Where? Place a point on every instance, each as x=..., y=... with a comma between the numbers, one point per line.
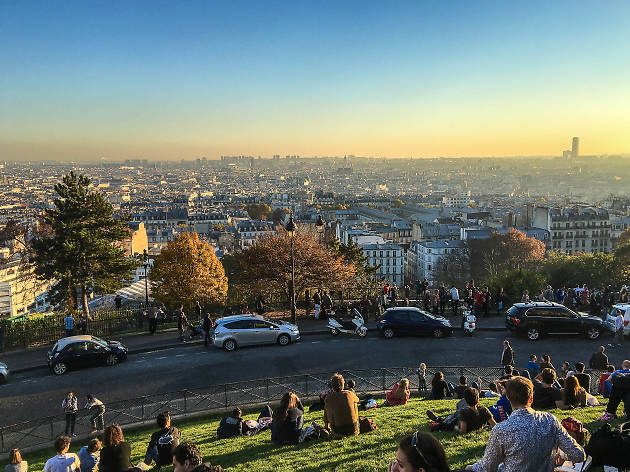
x=389, y=257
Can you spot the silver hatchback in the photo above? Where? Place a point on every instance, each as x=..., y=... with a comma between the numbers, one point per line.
x=247, y=330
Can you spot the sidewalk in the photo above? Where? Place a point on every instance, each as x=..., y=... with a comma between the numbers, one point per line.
x=35, y=358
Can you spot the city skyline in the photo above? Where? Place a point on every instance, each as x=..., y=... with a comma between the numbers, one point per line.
x=161, y=81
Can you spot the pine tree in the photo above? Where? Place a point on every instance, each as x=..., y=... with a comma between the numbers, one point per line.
x=83, y=252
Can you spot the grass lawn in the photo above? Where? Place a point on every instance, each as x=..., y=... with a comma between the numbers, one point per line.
x=368, y=452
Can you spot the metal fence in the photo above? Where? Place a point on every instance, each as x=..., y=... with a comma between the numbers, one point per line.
x=41, y=432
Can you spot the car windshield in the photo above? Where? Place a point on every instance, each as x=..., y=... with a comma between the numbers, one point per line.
x=429, y=315
x=99, y=341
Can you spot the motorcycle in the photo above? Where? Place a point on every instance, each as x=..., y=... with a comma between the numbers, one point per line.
x=354, y=326
x=470, y=323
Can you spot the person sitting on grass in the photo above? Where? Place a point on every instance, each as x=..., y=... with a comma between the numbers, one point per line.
x=439, y=388
x=16, y=464
x=64, y=461
x=162, y=442
x=573, y=396
x=288, y=420
x=231, y=426
x=532, y=366
x=508, y=373
x=528, y=441
x=602, y=381
x=350, y=384
x=88, y=455
x=116, y=453
x=545, y=394
x=468, y=418
x=583, y=378
x=187, y=458
x=341, y=413
x=461, y=388
x=419, y=452
x=502, y=408
x=399, y=394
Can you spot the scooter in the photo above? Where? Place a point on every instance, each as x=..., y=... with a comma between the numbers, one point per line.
x=470, y=323
x=355, y=326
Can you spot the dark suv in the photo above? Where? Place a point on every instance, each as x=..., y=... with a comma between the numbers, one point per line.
x=538, y=318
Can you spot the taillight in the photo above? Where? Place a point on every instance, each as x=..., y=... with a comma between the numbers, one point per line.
x=625, y=322
x=516, y=320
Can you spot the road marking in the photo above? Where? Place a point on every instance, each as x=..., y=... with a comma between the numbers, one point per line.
x=141, y=360
x=489, y=338
x=159, y=358
x=180, y=355
x=315, y=342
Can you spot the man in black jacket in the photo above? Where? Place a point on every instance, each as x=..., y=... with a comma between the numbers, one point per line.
x=231, y=426
x=507, y=357
x=599, y=360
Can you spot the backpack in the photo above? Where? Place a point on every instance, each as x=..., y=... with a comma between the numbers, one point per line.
x=368, y=404
x=366, y=425
x=610, y=447
x=576, y=430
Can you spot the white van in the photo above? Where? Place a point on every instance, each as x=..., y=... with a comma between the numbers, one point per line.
x=609, y=322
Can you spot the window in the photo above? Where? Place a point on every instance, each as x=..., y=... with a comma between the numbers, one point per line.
x=242, y=324
x=400, y=316
x=429, y=267
x=259, y=324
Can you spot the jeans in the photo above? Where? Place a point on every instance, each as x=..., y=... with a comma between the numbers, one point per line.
x=71, y=420
x=151, y=455
x=619, y=336
x=317, y=308
x=207, y=337
x=69, y=332
x=454, y=306
x=620, y=392
x=96, y=419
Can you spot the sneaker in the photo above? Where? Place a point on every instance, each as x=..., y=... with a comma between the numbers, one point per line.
x=607, y=417
x=432, y=416
x=74, y=435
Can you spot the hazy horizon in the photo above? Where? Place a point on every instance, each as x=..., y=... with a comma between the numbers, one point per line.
x=164, y=81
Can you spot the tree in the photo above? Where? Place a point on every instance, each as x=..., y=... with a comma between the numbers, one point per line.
x=265, y=267
x=187, y=270
x=83, y=252
x=397, y=203
x=278, y=214
x=504, y=251
x=514, y=282
x=453, y=268
x=364, y=281
x=624, y=238
x=594, y=269
x=259, y=211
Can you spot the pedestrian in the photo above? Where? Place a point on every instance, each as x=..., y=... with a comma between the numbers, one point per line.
x=422, y=379
x=500, y=299
x=70, y=407
x=443, y=299
x=317, y=301
x=549, y=294
x=68, y=324
x=478, y=303
x=407, y=291
x=182, y=322
x=599, y=360
x=118, y=302
x=97, y=411
x=525, y=297
x=486, y=302
x=507, y=356
x=435, y=302
x=260, y=305
x=454, y=299
x=327, y=303
x=207, y=327
x=152, y=314
x=82, y=324
x=561, y=295
x=364, y=306
x=393, y=294
x=619, y=325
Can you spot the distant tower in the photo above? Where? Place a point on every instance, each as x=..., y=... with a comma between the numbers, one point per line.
x=575, y=144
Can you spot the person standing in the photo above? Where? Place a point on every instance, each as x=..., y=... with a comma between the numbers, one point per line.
x=68, y=324
x=327, y=303
x=97, y=411
x=182, y=322
x=486, y=302
x=548, y=294
x=525, y=297
x=619, y=325
x=454, y=299
x=207, y=327
x=478, y=303
x=443, y=298
x=507, y=356
x=152, y=316
x=561, y=295
x=500, y=300
x=599, y=360
x=260, y=305
x=70, y=407
x=317, y=301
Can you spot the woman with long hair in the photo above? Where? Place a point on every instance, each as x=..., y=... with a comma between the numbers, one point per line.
x=16, y=464
x=116, y=453
x=439, y=387
x=419, y=452
x=399, y=394
x=288, y=420
x=573, y=395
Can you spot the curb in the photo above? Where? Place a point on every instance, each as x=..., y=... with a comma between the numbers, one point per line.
x=141, y=350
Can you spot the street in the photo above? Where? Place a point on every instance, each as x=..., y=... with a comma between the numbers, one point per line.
x=39, y=393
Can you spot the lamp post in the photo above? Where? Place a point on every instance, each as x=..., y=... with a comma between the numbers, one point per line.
x=291, y=228
x=320, y=224
x=145, y=264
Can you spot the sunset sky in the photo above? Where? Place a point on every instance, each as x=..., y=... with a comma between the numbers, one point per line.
x=185, y=79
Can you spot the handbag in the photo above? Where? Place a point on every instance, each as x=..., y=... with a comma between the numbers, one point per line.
x=610, y=447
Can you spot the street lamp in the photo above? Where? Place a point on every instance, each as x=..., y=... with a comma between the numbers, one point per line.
x=144, y=257
x=320, y=224
x=291, y=228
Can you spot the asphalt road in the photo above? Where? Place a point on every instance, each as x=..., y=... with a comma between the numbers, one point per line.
x=39, y=393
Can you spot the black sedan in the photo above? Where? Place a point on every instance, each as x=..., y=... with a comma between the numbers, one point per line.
x=84, y=351
x=409, y=321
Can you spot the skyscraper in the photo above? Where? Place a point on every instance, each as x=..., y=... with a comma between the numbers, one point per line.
x=575, y=147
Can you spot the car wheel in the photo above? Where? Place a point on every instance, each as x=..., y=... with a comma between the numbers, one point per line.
x=229, y=345
x=112, y=359
x=533, y=334
x=438, y=333
x=388, y=333
x=60, y=368
x=362, y=332
x=284, y=340
x=334, y=331
x=593, y=333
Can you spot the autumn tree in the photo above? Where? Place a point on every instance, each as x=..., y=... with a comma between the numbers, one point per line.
x=278, y=214
x=82, y=251
x=364, y=281
x=504, y=251
x=187, y=270
x=265, y=267
x=259, y=211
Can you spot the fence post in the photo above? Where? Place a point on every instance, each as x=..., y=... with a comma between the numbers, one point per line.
x=306, y=385
x=267, y=388
x=383, y=371
x=142, y=407
x=225, y=395
x=52, y=430
x=185, y=401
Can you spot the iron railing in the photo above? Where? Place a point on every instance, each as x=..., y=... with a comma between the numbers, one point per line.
x=39, y=433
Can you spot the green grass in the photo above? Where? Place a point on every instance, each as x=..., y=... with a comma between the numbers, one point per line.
x=368, y=452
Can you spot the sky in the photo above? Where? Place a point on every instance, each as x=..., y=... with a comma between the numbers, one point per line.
x=165, y=80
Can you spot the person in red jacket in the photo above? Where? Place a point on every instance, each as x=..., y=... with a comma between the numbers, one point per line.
x=478, y=303
x=399, y=394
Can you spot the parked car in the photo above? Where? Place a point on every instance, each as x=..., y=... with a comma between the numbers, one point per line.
x=4, y=372
x=247, y=330
x=609, y=323
x=409, y=321
x=536, y=319
x=84, y=351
